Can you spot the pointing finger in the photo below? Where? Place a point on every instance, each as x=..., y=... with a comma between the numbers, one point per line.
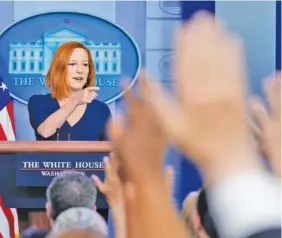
x=99, y=184
x=92, y=88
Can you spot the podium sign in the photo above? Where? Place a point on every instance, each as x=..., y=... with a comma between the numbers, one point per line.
x=37, y=170
x=27, y=168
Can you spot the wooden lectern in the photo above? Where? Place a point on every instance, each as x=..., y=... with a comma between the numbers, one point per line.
x=54, y=146
x=16, y=182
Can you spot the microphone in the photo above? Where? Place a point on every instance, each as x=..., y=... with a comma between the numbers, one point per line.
x=58, y=134
x=69, y=134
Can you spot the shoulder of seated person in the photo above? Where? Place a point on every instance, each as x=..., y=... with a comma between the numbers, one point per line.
x=31, y=231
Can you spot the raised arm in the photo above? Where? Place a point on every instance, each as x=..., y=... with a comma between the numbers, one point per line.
x=46, y=125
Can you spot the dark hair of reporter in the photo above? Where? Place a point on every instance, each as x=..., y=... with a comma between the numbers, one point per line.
x=205, y=217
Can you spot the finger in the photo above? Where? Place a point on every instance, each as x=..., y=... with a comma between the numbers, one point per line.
x=165, y=108
x=270, y=82
x=125, y=85
x=182, y=66
x=133, y=223
x=259, y=112
x=169, y=175
x=143, y=80
x=90, y=98
x=272, y=91
x=253, y=127
x=115, y=128
x=99, y=184
x=94, y=88
x=130, y=101
x=91, y=94
x=267, y=88
x=114, y=162
x=108, y=168
x=87, y=100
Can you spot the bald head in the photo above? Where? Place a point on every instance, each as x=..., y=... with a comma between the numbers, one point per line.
x=190, y=203
x=189, y=214
x=78, y=233
x=80, y=217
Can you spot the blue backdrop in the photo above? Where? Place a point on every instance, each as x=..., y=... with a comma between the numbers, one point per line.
x=151, y=25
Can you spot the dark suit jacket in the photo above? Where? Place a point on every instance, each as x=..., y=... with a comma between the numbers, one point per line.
x=34, y=233
x=271, y=233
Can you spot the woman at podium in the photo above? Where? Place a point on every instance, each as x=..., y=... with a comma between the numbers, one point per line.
x=70, y=111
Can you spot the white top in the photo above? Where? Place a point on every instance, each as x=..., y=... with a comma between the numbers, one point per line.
x=246, y=204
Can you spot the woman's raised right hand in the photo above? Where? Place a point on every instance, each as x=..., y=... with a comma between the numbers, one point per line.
x=87, y=95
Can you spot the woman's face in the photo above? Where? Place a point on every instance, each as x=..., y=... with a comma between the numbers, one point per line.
x=78, y=69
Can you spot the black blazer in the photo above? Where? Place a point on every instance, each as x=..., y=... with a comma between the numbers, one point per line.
x=271, y=233
x=34, y=233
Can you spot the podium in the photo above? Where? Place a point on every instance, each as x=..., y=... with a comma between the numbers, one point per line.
x=27, y=168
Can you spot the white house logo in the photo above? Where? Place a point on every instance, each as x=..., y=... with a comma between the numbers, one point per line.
x=170, y=7
x=29, y=52
x=35, y=57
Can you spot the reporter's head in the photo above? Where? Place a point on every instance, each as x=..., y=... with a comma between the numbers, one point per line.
x=71, y=69
x=70, y=189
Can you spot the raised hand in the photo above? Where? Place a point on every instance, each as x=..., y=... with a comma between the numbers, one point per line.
x=112, y=186
x=207, y=118
x=141, y=146
x=140, y=141
x=267, y=122
x=113, y=189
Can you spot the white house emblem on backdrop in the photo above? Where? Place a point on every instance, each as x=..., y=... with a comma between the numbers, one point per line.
x=28, y=47
x=35, y=57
